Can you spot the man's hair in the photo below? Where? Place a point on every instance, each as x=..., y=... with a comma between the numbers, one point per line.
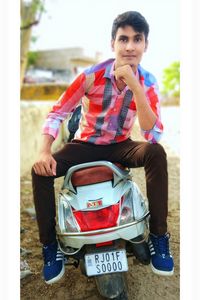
x=133, y=19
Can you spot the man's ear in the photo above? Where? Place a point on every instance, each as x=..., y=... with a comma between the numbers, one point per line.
x=146, y=45
x=112, y=45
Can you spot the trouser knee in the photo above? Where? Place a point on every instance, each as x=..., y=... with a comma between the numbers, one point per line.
x=156, y=152
x=156, y=149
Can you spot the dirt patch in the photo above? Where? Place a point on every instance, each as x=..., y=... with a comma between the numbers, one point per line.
x=142, y=283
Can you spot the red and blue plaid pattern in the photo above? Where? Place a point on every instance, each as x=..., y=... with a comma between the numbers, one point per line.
x=108, y=115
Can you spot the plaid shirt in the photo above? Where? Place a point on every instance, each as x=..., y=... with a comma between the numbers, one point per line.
x=108, y=114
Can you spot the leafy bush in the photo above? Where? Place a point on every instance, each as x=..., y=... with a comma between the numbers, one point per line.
x=171, y=80
x=31, y=58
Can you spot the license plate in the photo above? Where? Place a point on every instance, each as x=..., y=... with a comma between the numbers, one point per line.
x=106, y=262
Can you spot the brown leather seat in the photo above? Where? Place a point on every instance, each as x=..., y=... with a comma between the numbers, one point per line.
x=93, y=175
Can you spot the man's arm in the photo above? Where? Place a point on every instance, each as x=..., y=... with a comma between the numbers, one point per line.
x=65, y=105
x=147, y=103
x=146, y=116
x=46, y=165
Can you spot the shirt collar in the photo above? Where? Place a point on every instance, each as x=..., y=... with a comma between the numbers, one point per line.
x=109, y=70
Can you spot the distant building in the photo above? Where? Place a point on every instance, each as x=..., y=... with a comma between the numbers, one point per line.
x=59, y=65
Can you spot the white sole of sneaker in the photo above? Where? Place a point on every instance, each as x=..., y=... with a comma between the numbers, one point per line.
x=58, y=277
x=162, y=273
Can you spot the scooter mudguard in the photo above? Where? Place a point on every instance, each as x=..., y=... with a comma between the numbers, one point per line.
x=112, y=285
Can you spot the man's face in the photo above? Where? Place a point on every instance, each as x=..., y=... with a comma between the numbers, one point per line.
x=128, y=46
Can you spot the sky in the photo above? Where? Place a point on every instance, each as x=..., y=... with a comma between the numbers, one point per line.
x=87, y=24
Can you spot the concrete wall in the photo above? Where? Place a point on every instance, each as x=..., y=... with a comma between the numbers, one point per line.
x=44, y=91
x=57, y=58
x=32, y=118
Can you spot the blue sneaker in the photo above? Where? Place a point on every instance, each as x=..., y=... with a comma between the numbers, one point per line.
x=54, y=267
x=161, y=259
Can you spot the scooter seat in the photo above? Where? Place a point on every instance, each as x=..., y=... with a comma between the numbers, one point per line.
x=93, y=175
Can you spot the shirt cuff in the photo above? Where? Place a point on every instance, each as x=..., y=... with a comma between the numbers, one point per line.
x=51, y=132
x=153, y=135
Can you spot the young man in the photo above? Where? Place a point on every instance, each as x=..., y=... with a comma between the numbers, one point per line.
x=115, y=91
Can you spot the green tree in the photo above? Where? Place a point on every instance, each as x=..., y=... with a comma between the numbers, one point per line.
x=31, y=12
x=171, y=80
x=31, y=58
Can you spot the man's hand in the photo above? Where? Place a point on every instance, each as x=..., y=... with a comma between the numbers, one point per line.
x=45, y=165
x=126, y=74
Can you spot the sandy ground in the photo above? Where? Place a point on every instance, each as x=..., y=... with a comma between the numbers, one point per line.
x=142, y=283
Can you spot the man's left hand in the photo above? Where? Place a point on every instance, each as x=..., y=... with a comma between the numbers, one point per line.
x=126, y=74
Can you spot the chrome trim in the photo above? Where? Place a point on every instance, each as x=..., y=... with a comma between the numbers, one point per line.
x=105, y=230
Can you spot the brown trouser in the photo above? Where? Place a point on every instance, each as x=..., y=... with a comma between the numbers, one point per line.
x=130, y=154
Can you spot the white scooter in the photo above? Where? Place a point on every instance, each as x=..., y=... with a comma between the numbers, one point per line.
x=102, y=217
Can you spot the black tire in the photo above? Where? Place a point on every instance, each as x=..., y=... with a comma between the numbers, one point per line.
x=112, y=286
x=122, y=296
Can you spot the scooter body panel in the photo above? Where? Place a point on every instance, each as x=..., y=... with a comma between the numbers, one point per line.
x=131, y=221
